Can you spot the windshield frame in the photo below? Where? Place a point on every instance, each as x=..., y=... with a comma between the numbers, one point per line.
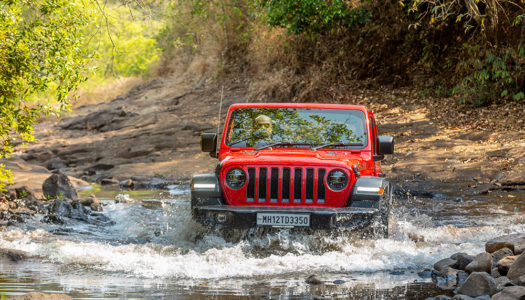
x=339, y=107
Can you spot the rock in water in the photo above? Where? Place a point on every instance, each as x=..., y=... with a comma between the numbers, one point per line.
x=515, y=242
x=478, y=284
x=92, y=202
x=481, y=263
x=58, y=186
x=444, y=263
x=463, y=260
x=41, y=296
x=313, y=279
x=517, y=269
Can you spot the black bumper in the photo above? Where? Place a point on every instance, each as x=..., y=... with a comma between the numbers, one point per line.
x=320, y=218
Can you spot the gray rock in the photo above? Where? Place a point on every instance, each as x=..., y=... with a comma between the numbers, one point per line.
x=313, y=279
x=478, y=284
x=515, y=242
x=442, y=297
x=481, y=263
x=55, y=164
x=504, y=264
x=72, y=210
x=128, y=183
x=444, y=263
x=58, y=186
x=521, y=280
x=495, y=272
x=463, y=260
x=501, y=253
x=517, y=269
x=502, y=282
x=484, y=297
x=511, y=293
x=92, y=202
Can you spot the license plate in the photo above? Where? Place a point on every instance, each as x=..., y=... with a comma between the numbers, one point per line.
x=269, y=219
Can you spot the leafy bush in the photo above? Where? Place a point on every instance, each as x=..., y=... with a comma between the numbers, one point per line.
x=314, y=16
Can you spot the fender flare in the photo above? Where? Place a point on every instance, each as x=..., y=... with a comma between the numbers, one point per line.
x=368, y=191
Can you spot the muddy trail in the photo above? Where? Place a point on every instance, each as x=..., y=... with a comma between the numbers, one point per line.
x=459, y=184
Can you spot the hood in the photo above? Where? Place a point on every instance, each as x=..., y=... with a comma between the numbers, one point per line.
x=279, y=156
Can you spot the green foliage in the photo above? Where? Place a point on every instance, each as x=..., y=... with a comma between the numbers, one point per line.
x=314, y=16
x=491, y=78
x=40, y=48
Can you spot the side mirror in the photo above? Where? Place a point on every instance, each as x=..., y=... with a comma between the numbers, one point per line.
x=386, y=144
x=209, y=142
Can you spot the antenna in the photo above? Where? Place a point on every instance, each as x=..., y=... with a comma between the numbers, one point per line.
x=219, y=123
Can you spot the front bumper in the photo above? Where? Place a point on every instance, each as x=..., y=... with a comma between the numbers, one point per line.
x=226, y=216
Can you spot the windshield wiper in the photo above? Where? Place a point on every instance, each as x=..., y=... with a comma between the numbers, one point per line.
x=336, y=144
x=278, y=144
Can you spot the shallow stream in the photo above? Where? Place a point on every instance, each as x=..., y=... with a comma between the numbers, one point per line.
x=152, y=249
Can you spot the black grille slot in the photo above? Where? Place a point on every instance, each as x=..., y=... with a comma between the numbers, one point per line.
x=250, y=190
x=286, y=185
x=274, y=185
x=320, y=185
x=262, y=184
x=297, y=186
x=309, y=185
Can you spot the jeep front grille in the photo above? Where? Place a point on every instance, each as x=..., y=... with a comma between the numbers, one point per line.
x=286, y=185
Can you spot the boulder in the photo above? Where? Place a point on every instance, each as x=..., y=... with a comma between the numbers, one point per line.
x=445, y=278
x=521, y=280
x=313, y=279
x=511, y=293
x=444, y=263
x=41, y=296
x=478, y=284
x=463, y=260
x=92, y=202
x=462, y=297
x=461, y=276
x=495, y=272
x=58, y=186
x=501, y=253
x=504, y=264
x=502, y=282
x=515, y=242
x=517, y=269
x=72, y=210
x=481, y=263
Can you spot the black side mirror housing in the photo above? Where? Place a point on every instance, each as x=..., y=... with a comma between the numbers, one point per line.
x=386, y=144
x=209, y=142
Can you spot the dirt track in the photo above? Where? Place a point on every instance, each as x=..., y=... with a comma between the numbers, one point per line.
x=153, y=132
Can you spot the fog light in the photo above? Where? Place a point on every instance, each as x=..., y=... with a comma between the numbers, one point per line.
x=221, y=217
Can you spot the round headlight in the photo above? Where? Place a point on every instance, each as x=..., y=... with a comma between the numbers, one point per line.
x=235, y=178
x=337, y=179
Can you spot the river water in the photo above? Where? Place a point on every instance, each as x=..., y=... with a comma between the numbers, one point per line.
x=152, y=249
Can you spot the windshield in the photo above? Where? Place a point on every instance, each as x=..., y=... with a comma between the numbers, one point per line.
x=303, y=127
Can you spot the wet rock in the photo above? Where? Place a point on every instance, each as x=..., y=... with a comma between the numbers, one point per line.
x=426, y=273
x=128, y=183
x=92, y=202
x=501, y=253
x=41, y=296
x=338, y=281
x=397, y=272
x=515, y=242
x=36, y=206
x=502, y=282
x=511, y=293
x=444, y=263
x=504, y=264
x=462, y=259
x=73, y=210
x=108, y=181
x=481, y=263
x=461, y=277
x=53, y=219
x=484, y=297
x=13, y=255
x=478, y=284
x=14, y=220
x=313, y=279
x=442, y=297
x=517, y=269
x=495, y=272
x=58, y=186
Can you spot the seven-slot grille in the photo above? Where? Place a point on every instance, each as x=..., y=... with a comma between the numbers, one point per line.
x=286, y=185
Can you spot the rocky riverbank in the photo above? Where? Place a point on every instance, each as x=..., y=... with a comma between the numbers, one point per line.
x=498, y=273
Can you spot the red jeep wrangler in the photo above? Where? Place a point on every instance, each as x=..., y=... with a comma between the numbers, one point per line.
x=295, y=165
